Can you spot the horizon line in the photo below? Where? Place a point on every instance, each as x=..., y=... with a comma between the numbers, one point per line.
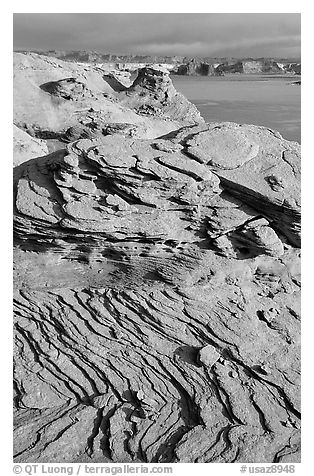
x=31, y=50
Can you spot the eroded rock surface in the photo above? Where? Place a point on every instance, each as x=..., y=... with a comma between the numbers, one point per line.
x=26, y=146
x=255, y=165
x=157, y=299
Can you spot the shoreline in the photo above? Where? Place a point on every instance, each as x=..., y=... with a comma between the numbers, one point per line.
x=239, y=77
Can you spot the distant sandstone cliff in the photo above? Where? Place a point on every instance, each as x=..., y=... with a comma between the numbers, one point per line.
x=64, y=101
x=265, y=66
x=181, y=65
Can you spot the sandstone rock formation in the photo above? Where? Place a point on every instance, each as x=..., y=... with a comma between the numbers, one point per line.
x=294, y=68
x=52, y=96
x=266, y=66
x=219, y=67
x=157, y=289
x=97, y=57
x=197, y=67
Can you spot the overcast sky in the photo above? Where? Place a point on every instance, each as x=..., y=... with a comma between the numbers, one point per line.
x=188, y=34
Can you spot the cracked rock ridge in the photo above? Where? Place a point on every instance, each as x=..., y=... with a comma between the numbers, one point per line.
x=157, y=290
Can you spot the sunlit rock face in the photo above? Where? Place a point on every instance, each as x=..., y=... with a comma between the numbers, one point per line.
x=26, y=146
x=53, y=97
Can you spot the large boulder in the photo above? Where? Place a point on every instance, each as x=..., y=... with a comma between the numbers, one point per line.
x=153, y=94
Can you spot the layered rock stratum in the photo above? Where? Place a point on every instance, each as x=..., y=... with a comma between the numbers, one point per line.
x=206, y=66
x=157, y=279
x=64, y=101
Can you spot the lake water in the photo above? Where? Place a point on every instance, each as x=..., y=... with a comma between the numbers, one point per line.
x=269, y=101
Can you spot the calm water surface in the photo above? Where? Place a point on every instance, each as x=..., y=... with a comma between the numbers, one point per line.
x=268, y=101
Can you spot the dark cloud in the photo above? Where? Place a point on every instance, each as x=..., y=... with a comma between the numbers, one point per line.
x=212, y=34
